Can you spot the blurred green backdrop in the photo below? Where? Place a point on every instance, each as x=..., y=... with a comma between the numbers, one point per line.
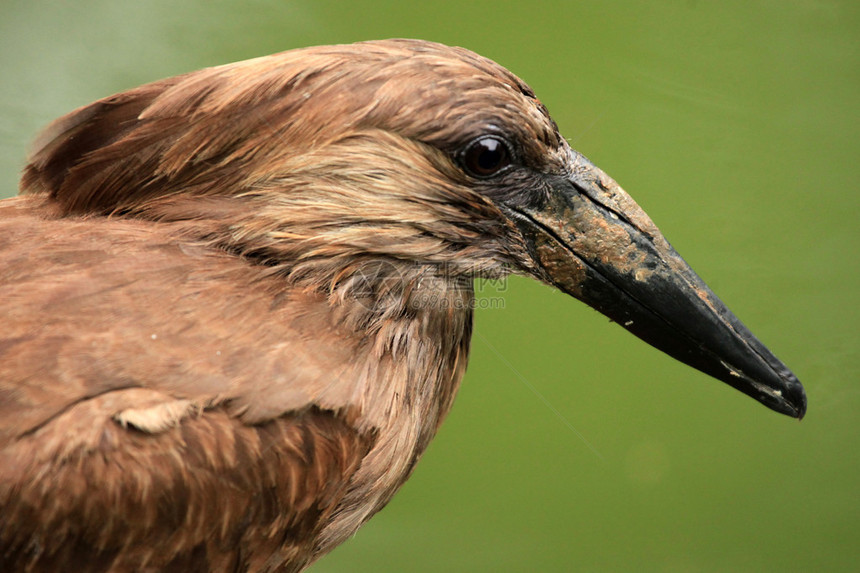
x=573, y=446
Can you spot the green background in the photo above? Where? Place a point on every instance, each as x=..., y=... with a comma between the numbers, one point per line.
x=574, y=446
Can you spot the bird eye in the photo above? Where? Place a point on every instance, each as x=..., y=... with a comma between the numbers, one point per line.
x=485, y=157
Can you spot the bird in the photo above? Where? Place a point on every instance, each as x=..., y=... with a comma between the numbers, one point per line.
x=237, y=303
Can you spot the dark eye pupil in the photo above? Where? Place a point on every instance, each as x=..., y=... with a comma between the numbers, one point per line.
x=486, y=156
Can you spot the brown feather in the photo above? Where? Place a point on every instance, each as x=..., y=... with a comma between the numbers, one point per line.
x=218, y=352
x=116, y=331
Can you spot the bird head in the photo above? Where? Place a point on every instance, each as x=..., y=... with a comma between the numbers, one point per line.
x=406, y=155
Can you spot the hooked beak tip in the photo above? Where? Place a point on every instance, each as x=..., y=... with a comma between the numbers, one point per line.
x=787, y=398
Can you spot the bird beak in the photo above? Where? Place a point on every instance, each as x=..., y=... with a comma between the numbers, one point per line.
x=592, y=241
